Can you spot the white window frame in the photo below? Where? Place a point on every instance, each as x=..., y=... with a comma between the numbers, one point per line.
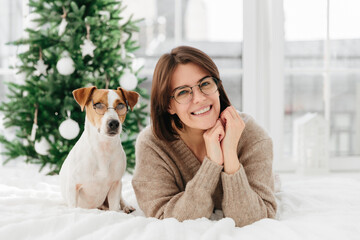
x=263, y=78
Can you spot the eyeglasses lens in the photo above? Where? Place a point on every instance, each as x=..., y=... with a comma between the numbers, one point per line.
x=207, y=86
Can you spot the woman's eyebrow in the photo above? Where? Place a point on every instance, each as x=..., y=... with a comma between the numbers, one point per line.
x=183, y=86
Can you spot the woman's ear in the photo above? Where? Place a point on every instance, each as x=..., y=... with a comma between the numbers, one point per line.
x=170, y=110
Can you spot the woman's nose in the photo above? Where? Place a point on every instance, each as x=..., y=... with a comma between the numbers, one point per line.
x=197, y=95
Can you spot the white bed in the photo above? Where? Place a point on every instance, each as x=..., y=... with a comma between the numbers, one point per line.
x=31, y=207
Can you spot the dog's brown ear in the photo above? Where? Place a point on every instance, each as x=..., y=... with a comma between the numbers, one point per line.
x=131, y=96
x=82, y=95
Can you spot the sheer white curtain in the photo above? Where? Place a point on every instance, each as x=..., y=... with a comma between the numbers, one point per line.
x=263, y=69
x=11, y=28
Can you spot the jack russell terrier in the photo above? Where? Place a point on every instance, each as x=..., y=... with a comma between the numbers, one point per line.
x=91, y=174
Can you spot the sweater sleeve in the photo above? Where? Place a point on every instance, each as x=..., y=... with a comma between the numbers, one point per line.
x=249, y=193
x=159, y=194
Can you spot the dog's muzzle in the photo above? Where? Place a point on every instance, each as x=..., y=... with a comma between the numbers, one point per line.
x=113, y=127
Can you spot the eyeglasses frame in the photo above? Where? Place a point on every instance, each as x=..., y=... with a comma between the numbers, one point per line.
x=191, y=88
x=126, y=105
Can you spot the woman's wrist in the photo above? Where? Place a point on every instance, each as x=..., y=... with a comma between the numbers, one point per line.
x=231, y=163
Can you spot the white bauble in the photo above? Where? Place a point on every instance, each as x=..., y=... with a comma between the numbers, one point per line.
x=128, y=80
x=69, y=129
x=42, y=147
x=65, y=66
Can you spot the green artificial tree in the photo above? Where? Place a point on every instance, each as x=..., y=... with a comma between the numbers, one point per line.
x=74, y=44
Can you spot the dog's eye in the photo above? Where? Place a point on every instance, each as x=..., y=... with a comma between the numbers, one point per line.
x=99, y=105
x=121, y=109
x=120, y=106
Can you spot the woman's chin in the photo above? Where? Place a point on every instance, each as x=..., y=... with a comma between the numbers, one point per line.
x=206, y=126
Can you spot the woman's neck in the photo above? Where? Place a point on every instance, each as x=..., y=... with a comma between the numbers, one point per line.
x=193, y=138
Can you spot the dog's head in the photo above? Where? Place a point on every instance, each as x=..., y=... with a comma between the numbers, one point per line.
x=106, y=109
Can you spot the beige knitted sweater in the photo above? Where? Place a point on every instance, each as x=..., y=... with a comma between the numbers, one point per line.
x=169, y=181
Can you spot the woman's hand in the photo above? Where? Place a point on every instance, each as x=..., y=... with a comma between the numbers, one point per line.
x=233, y=127
x=212, y=138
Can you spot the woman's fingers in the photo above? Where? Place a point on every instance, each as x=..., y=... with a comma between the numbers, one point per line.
x=231, y=119
x=212, y=138
x=216, y=132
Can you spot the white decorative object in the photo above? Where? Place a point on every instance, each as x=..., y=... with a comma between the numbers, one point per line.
x=42, y=147
x=69, y=129
x=310, y=144
x=63, y=23
x=87, y=48
x=34, y=126
x=62, y=26
x=65, y=65
x=40, y=67
x=128, y=80
x=33, y=132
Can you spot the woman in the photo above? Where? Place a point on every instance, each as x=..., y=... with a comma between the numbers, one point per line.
x=200, y=155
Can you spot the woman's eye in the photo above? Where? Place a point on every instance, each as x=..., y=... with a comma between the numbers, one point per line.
x=205, y=83
x=182, y=92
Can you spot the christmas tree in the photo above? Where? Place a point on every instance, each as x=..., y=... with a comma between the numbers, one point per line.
x=73, y=44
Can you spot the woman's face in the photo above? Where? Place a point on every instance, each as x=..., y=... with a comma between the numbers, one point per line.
x=202, y=111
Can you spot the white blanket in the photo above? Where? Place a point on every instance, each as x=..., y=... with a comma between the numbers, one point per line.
x=31, y=207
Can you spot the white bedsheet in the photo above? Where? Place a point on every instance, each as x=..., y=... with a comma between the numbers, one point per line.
x=31, y=207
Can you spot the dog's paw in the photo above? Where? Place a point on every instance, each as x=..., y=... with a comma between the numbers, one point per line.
x=103, y=207
x=128, y=209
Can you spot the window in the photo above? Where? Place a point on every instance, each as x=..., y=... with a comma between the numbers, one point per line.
x=322, y=58
x=11, y=25
x=215, y=27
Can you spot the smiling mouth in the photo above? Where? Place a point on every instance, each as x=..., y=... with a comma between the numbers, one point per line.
x=202, y=111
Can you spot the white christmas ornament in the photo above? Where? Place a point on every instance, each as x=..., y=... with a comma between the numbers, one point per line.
x=62, y=26
x=42, y=147
x=33, y=132
x=69, y=129
x=87, y=48
x=128, y=80
x=40, y=67
x=65, y=66
x=63, y=23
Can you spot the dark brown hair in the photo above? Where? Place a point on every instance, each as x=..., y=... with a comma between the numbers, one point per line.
x=163, y=122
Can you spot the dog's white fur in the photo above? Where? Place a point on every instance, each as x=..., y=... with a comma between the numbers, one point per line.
x=93, y=169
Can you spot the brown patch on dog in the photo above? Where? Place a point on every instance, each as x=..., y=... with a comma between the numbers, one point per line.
x=83, y=95
x=98, y=96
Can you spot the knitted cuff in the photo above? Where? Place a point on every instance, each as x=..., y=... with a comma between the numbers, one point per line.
x=208, y=175
x=233, y=182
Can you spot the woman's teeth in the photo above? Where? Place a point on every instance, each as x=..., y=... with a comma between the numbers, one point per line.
x=202, y=110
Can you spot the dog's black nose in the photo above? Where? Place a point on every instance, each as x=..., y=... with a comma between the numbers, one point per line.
x=113, y=124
